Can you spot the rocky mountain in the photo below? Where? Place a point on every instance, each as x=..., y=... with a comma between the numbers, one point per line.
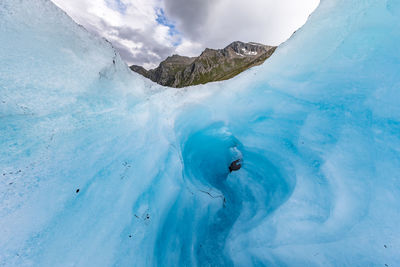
x=211, y=65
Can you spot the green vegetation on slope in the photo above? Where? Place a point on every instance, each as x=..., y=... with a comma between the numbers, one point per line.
x=211, y=65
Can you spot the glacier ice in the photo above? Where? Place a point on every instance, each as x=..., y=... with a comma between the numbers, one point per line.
x=317, y=127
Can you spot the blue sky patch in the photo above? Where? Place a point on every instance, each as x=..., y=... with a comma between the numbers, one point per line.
x=116, y=5
x=173, y=32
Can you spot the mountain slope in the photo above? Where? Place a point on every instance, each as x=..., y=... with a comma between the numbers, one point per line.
x=211, y=65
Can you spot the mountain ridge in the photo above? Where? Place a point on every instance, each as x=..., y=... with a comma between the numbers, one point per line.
x=211, y=65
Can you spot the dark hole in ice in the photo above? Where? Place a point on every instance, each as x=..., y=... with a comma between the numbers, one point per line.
x=77, y=190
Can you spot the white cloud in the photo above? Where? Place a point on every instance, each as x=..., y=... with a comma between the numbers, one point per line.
x=188, y=48
x=135, y=29
x=218, y=22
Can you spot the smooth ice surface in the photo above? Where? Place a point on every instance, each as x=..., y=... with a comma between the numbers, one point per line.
x=317, y=127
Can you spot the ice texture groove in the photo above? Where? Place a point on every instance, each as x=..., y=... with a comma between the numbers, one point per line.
x=317, y=128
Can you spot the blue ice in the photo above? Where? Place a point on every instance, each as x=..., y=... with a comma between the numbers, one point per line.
x=317, y=128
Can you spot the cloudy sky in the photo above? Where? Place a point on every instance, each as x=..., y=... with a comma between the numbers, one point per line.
x=145, y=32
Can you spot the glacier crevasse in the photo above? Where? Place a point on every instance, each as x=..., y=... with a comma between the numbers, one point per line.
x=317, y=126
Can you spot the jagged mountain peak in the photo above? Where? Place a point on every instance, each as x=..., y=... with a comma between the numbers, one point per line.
x=210, y=65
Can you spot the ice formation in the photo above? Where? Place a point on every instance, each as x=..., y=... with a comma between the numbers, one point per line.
x=102, y=168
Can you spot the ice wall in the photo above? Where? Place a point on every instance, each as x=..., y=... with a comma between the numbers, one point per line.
x=317, y=127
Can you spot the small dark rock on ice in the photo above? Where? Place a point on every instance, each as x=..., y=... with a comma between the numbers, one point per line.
x=235, y=165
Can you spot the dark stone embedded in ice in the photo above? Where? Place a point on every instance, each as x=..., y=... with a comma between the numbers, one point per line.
x=235, y=165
